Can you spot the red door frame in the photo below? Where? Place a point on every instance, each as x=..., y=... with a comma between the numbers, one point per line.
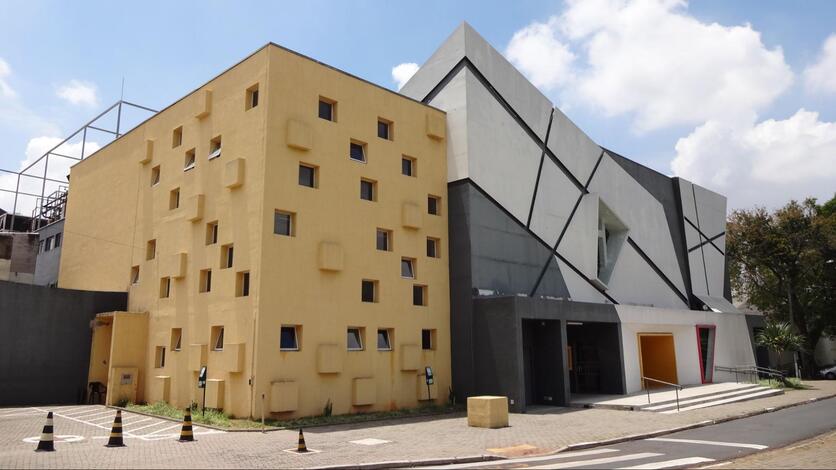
x=699, y=351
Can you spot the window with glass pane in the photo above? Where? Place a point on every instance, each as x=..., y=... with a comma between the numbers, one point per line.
x=383, y=129
x=408, y=166
x=419, y=295
x=367, y=190
x=355, y=340
x=283, y=224
x=368, y=291
x=326, y=109
x=426, y=339
x=288, y=340
x=357, y=152
x=383, y=240
x=407, y=268
x=432, y=247
x=307, y=176
x=383, y=342
x=432, y=205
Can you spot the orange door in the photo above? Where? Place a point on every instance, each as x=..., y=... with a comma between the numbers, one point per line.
x=657, y=356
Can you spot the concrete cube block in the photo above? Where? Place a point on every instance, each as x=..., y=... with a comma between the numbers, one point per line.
x=203, y=104
x=234, y=173
x=233, y=357
x=436, y=127
x=411, y=215
x=194, y=208
x=330, y=256
x=299, y=135
x=284, y=396
x=329, y=359
x=410, y=357
x=177, y=265
x=148, y=152
x=363, y=391
x=487, y=412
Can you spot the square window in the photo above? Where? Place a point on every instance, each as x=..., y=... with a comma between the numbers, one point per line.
x=214, y=148
x=174, y=199
x=217, y=334
x=434, y=205
x=150, y=250
x=408, y=268
x=242, y=284
x=177, y=137
x=159, y=359
x=48, y=244
x=433, y=247
x=226, y=256
x=135, y=275
x=327, y=109
x=419, y=295
x=57, y=243
x=368, y=291
x=205, y=281
x=188, y=164
x=307, y=175
x=427, y=340
x=155, y=175
x=212, y=233
x=289, y=338
x=368, y=190
x=284, y=223
x=384, y=239
x=165, y=287
x=408, y=166
x=355, y=339
x=357, y=151
x=251, y=97
x=384, y=340
x=176, y=339
x=384, y=129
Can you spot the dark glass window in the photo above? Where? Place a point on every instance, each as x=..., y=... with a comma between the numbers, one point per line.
x=282, y=224
x=245, y=284
x=326, y=110
x=355, y=340
x=382, y=240
x=366, y=190
x=287, y=340
x=406, y=166
x=357, y=152
x=383, y=341
x=426, y=339
x=367, y=291
x=418, y=295
x=432, y=205
x=307, y=176
x=432, y=247
x=407, y=268
x=383, y=129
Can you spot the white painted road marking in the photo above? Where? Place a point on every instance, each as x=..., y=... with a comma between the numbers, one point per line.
x=709, y=443
x=560, y=455
x=370, y=442
x=56, y=439
x=669, y=463
x=601, y=461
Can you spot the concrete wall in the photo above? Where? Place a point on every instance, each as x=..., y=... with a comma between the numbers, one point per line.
x=18, y=254
x=48, y=262
x=45, y=342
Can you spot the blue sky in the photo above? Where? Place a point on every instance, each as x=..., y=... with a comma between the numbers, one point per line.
x=54, y=53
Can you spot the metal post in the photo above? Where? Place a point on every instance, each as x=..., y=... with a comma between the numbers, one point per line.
x=203, y=412
x=118, y=118
x=648, y=390
x=429, y=396
x=262, y=413
x=14, y=206
x=677, y=398
x=83, y=142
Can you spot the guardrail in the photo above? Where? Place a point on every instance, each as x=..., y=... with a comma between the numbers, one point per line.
x=676, y=388
x=751, y=371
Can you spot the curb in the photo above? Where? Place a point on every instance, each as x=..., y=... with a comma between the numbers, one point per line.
x=194, y=423
x=416, y=463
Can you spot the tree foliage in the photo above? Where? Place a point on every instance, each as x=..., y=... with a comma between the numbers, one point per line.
x=785, y=261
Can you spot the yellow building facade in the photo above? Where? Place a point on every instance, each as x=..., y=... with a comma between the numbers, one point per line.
x=285, y=226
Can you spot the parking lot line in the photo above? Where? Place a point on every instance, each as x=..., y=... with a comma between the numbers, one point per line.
x=163, y=429
x=710, y=443
x=149, y=425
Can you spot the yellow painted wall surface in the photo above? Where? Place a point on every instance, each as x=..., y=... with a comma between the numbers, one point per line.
x=127, y=356
x=114, y=211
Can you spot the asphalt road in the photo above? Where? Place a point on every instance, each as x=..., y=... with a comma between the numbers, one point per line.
x=694, y=448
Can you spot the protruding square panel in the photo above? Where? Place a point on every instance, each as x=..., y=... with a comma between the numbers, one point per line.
x=177, y=266
x=363, y=391
x=148, y=154
x=330, y=256
x=411, y=215
x=203, y=104
x=194, y=208
x=215, y=393
x=197, y=356
x=284, y=396
x=161, y=388
x=233, y=357
x=435, y=127
x=329, y=359
x=410, y=357
x=234, y=173
x=299, y=135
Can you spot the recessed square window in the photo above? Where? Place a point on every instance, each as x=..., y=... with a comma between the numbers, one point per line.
x=327, y=109
x=176, y=339
x=189, y=162
x=408, y=268
x=355, y=339
x=165, y=287
x=242, y=284
x=155, y=175
x=214, y=148
x=408, y=166
x=174, y=199
x=48, y=244
x=357, y=151
x=289, y=338
x=434, y=205
x=307, y=175
x=217, y=338
x=212, y=233
x=159, y=357
x=384, y=239
x=368, y=190
x=427, y=339
x=284, y=223
x=177, y=137
x=135, y=275
x=384, y=128
x=433, y=245
x=384, y=339
x=150, y=250
x=419, y=295
x=205, y=281
x=226, y=256
x=57, y=243
x=251, y=97
x=368, y=291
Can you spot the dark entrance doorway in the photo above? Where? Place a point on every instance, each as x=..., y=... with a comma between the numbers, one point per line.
x=543, y=363
x=594, y=353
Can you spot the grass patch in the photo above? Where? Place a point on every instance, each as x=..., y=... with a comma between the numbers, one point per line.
x=790, y=383
x=161, y=408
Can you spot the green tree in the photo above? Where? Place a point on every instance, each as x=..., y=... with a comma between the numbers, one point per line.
x=784, y=264
x=780, y=337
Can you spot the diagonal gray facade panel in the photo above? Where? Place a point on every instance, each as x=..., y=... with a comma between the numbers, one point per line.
x=572, y=147
x=554, y=201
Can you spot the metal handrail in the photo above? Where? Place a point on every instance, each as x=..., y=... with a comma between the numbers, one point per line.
x=752, y=370
x=676, y=388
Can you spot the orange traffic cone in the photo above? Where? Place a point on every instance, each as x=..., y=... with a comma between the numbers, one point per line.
x=116, y=432
x=46, y=444
x=186, y=434
x=301, y=447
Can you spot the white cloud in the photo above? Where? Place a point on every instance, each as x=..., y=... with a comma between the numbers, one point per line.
x=78, y=92
x=403, y=72
x=6, y=90
x=653, y=61
x=821, y=76
x=764, y=163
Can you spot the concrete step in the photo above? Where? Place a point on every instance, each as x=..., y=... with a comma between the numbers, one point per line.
x=693, y=400
x=765, y=392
